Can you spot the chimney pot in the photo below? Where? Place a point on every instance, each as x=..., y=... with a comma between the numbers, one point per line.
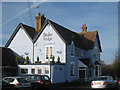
x=84, y=28
x=38, y=14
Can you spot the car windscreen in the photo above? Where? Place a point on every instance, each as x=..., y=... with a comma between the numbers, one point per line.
x=101, y=78
x=37, y=78
x=22, y=80
x=30, y=78
x=46, y=78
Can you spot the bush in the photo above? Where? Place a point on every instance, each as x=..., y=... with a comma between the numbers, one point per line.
x=58, y=59
x=27, y=59
x=37, y=59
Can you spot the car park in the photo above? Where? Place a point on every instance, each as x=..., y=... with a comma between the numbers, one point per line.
x=39, y=81
x=19, y=82
x=7, y=86
x=103, y=82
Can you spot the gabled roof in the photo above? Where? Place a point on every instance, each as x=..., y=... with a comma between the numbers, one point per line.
x=82, y=40
x=68, y=36
x=30, y=31
x=91, y=35
x=86, y=61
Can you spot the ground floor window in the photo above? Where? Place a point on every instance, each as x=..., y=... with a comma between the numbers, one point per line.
x=47, y=70
x=33, y=71
x=39, y=70
x=24, y=70
x=72, y=69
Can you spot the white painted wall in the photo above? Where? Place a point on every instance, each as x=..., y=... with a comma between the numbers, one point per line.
x=22, y=44
x=56, y=42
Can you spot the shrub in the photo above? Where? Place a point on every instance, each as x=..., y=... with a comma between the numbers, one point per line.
x=27, y=59
x=53, y=57
x=37, y=59
x=58, y=59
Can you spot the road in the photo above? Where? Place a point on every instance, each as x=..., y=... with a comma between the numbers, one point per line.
x=74, y=86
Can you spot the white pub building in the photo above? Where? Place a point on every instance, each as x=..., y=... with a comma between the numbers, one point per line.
x=56, y=51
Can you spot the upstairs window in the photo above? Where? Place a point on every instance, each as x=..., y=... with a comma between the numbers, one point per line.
x=96, y=53
x=49, y=52
x=72, y=49
x=77, y=52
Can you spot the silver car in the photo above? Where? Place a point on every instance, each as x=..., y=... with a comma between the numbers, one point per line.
x=19, y=82
x=102, y=82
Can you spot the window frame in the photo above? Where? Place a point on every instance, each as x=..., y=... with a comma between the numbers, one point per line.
x=47, y=70
x=39, y=68
x=72, y=69
x=25, y=68
x=72, y=50
x=49, y=52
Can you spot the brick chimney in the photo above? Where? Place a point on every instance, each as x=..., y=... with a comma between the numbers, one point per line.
x=39, y=21
x=84, y=28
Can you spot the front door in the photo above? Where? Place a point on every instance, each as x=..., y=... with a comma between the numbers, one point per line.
x=81, y=74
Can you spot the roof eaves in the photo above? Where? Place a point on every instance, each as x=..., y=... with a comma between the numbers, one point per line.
x=99, y=42
x=56, y=31
x=26, y=32
x=13, y=35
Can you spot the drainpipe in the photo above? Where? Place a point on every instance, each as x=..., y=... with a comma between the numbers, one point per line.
x=66, y=77
x=33, y=52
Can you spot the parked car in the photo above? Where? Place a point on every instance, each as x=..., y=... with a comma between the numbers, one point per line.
x=103, y=82
x=38, y=81
x=19, y=82
x=7, y=86
x=118, y=84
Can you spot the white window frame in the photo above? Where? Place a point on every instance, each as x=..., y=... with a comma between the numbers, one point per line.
x=47, y=68
x=49, y=53
x=23, y=68
x=33, y=69
x=72, y=50
x=38, y=69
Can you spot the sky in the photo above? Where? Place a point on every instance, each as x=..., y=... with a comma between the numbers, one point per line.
x=101, y=16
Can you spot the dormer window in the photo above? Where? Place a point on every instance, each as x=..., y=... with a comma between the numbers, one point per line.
x=72, y=49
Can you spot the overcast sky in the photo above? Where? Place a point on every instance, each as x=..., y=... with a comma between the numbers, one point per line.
x=101, y=16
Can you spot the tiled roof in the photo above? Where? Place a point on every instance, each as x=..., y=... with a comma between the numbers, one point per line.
x=30, y=30
x=68, y=36
x=84, y=40
x=91, y=35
